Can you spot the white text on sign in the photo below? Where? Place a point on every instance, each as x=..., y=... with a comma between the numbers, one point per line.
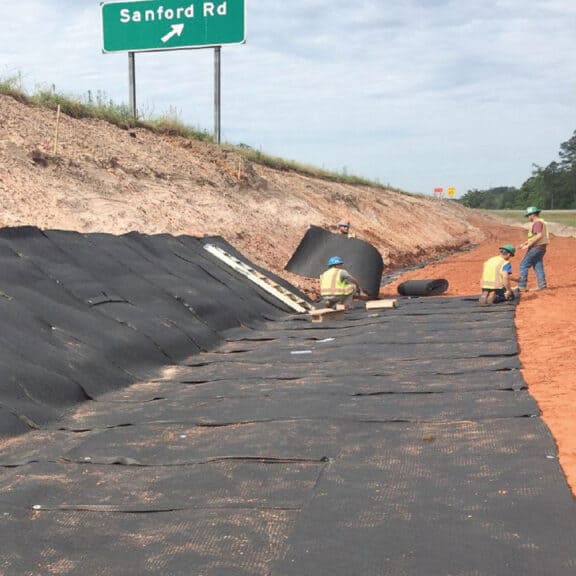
x=162, y=13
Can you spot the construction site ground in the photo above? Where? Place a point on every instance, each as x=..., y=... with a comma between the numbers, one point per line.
x=100, y=178
x=180, y=420
x=545, y=322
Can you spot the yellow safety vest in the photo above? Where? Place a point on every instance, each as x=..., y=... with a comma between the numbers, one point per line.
x=545, y=235
x=492, y=274
x=331, y=283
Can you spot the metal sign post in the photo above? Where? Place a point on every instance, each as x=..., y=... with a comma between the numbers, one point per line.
x=217, y=88
x=156, y=25
x=132, y=83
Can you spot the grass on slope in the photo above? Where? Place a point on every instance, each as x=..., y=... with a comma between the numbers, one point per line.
x=121, y=115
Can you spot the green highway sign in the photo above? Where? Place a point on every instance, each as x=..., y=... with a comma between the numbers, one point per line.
x=141, y=25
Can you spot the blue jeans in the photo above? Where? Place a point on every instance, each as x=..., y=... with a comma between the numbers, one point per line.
x=533, y=259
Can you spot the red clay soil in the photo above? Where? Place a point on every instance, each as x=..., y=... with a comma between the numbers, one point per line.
x=545, y=323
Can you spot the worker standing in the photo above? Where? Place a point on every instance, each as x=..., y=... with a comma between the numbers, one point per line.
x=344, y=229
x=496, y=276
x=337, y=285
x=538, y=240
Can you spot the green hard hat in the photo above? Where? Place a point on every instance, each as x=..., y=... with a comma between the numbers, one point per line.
x=508, y=248
x=531, y=210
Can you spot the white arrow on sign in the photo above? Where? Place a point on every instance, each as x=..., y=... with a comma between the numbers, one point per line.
x=176, y=31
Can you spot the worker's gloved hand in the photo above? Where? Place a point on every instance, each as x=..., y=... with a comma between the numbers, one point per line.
x=509, y=295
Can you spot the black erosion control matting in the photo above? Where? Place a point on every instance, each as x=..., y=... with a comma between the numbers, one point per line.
x=434, y=287
x=178, y=422
x=83, y=314
x=360, y=258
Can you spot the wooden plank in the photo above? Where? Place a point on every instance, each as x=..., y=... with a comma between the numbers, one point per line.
x=322, y=314
x=375, y=304
x=289, y=298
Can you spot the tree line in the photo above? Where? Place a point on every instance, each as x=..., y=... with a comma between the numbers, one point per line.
x=550, y=188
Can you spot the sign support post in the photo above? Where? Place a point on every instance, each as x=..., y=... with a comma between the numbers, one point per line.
x=217, y=93
x=158, y=25
x=132, y=83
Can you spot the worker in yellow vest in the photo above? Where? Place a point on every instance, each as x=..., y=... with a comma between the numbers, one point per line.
x=496, y=277
x=538, y=240
x=337, y=286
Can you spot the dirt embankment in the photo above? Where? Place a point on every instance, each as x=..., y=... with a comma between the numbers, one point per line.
x=100, y=178
x=103, y=178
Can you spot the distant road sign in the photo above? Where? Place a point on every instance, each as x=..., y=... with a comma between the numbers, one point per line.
x=451, y=191
x=144, y=25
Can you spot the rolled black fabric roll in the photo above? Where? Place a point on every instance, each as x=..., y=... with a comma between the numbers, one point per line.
x=361, y=259
x=423, y=287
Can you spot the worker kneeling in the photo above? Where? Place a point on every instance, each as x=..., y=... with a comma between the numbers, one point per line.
x=496, y=277
x=337, y=286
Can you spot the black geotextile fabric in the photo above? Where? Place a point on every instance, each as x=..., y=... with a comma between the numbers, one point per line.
x=360, y=258
x=221, y=243
x=434, y=287
x=341, y=454
x=83, y=314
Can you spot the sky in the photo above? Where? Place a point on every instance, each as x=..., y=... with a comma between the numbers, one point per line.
x=415, y=94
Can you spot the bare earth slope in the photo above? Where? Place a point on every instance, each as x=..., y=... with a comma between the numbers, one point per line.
x=102, y=178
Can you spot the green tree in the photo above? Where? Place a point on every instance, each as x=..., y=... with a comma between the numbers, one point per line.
x=553, y=187
x=568, y=153
x=493, y=199
x=568, y=162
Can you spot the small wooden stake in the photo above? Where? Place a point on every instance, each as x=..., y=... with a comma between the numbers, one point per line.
x=57, y=129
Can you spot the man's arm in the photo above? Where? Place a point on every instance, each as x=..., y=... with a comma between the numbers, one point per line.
x=507, y=280
x=345, y=275
x=507, y=284
x=531, y=241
